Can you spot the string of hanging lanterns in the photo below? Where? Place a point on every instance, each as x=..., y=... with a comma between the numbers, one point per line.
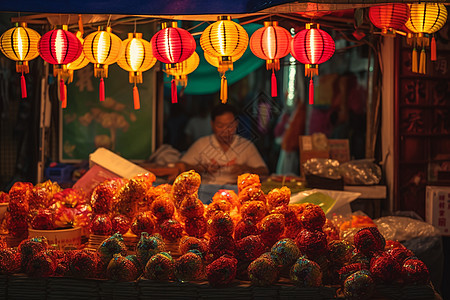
x=223, y=42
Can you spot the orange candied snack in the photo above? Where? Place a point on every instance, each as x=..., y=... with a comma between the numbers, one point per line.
x=228, y=195
x=279, y=197
x=247, y=179
x=187, y=183
x=252, y=193
x=357, y=222
x=254, y=210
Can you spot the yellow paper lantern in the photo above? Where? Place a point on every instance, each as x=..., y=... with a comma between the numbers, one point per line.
x=102, y=48
x=136, y=57
x=20, y=44
x=180, y=70
x=224, y=39
x=215, y=61
x=425, y=18
x=79, y=63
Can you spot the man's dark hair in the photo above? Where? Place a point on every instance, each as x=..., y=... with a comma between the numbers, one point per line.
x=221, y=109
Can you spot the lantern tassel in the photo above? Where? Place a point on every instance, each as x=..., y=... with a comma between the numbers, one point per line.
x=62, y=96
x=223, y=89
x=414, y=61
x=137, y=104
x=174, y=91
x=64, y=103
x=433, y=49
x=422, y=62
x=23, y=86
x=102, y=90
x=311, y=91
x=274, y=84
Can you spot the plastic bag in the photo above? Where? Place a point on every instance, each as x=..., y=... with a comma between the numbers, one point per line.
x=403, y=228
x=360, y=172
x=323, y=167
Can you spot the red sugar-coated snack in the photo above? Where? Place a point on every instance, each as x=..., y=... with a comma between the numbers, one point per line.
x=191, y=207
x=390, y=244
x=69, y=197
x=400, y=254
x=102, y=197
x=42, y=219
x=3, y=243
x=348, y=270
x=414, y=271
x=128, y=197
x=19, y=192
x=19, y=208
x=154, y=192
x=17, y=225
x=84, y=264
x=147, y=177
x=272, y=228
x=330, y=230
x=228, y=195
x=278, y=197
x=312, y=217
x=252, y=193
x=220, y=245
x=149, y=246
x=60, y=258
x=160, y=267
x=292, y=223
x=220, y=224
x=189, y=267
x=187, y=183
x=9, y=261
x=312, y=243
x=385, y=268
x=222, y=271
x=143, y=222
x=41, y=265
x=245, y=228
x=195, y=226
x=250, y=248
x=120, y=224
x=369, y=240
x=284, y=252
x=162, y=208
x=247, y=179
x=192, y=243
x=121, y=269
x=40, y=196
x=263, y=271
x=253, y=210
x=218, y=205
x=171, y=230
x=340, y=252
x=30, y=247
x=4, y=197
x=101, y=225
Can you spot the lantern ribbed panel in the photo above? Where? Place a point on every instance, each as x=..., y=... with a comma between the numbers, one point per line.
x=270, y=42
x=20, y=43
x=426, y=17
x=81, y=61
x=224, y=38
x=136, y=55
x=172, y=45
x=102, y=47
x=214, y=60
x=59, y=47
x=312, y=46
x=389, y=16
x=185, y=67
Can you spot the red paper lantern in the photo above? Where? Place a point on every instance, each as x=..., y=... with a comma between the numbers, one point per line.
x=389, y=17
x=312, y=46
x=271, y=43
x=172, y=45
x=60, y=47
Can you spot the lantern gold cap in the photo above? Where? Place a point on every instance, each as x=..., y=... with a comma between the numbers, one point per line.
x=270, y=23
x=169, y=24
x=221, y=18
x=137, y=35
x=312, y=25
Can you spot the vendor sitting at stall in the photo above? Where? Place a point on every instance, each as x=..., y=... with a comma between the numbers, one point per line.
x=220, y=157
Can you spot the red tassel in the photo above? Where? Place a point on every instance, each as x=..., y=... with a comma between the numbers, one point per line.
x=64, y=103
x=311, y=91
x=137, y=104
x=274, y=84
x=102, y=90
x=433, y=49
x=61, y=90
x=174, y=92
x=23, y=86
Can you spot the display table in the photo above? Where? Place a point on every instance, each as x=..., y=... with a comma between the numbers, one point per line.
x=21, y=287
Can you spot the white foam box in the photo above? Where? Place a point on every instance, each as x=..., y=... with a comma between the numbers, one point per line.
x=437, y=208
x=103, y=165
